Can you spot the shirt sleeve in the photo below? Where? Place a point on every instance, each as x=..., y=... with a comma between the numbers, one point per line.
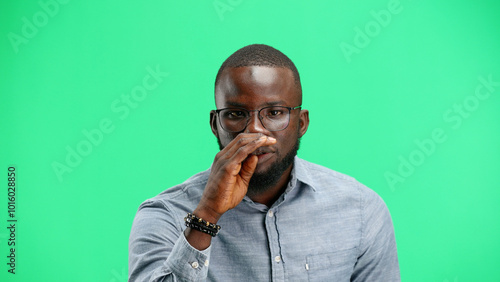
x=378, y=259
x=158, y=249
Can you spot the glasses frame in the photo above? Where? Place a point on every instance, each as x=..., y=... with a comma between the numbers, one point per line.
x=290, y=109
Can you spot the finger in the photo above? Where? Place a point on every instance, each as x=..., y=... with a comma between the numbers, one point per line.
x=248, y=168
x=232, y=160
x=240, y=141
x=229, y=150
x=243, y=148
x=243, y=152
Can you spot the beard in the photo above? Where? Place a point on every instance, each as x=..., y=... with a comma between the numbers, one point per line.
x=260, y=182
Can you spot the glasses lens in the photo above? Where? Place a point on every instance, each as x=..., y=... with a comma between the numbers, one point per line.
x=234, y=120
x=273, y=118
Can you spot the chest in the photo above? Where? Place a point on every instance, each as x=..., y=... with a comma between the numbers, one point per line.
x=312, y=241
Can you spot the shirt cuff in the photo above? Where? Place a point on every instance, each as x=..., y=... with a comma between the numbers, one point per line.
x=188, y=262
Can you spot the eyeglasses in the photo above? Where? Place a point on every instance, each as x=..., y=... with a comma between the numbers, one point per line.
x=273, y=118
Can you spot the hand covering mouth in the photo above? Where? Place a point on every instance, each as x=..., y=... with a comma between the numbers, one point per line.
x=261, y=151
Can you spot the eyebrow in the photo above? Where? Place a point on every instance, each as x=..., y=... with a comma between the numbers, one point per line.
x=239, y=105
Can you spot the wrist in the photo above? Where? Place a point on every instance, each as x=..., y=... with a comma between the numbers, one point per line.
x=200, y=224
x=207, y=214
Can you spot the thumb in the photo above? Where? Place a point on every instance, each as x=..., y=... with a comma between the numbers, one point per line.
x=248, y=168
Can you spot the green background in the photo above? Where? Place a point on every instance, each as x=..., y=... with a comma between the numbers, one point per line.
x=368, y=110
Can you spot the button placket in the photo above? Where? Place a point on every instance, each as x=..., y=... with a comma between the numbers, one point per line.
x=276, y=258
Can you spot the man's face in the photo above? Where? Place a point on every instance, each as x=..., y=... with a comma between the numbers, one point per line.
x=253, y=88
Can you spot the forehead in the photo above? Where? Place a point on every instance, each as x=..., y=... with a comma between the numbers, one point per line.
x=256, y=86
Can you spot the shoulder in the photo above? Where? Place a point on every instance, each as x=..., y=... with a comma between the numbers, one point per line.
x=182, y=196
x=329, y=181
x=338, y=189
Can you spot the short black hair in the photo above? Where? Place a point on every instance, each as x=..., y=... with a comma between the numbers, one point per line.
x=260, y=55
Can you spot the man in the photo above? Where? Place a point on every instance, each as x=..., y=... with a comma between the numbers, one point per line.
x=280, y=218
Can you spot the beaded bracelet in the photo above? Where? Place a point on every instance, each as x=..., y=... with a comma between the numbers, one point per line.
x=197, y=223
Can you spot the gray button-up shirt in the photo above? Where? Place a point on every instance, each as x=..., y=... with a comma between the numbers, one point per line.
x=325, y=227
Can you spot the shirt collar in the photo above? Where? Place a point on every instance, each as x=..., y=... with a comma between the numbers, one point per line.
x=300, y=172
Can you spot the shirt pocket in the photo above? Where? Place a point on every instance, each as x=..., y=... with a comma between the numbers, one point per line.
x=334, y=266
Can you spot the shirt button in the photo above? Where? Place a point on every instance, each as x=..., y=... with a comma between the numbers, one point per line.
x=194, y=264
x=277, y=259
x=270, y=213
x=206, y=262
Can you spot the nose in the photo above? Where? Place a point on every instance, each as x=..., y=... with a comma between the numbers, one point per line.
x=254, y=124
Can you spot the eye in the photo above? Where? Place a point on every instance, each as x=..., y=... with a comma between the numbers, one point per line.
x=274, y=112
x=234, y=114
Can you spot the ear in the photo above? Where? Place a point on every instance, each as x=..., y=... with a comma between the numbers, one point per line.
x=303, y=122
x=213, y=123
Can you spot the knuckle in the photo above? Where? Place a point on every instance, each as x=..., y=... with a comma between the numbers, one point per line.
x=218, y=156
x=243, y=152
x=241, y=141
x=228, y=169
